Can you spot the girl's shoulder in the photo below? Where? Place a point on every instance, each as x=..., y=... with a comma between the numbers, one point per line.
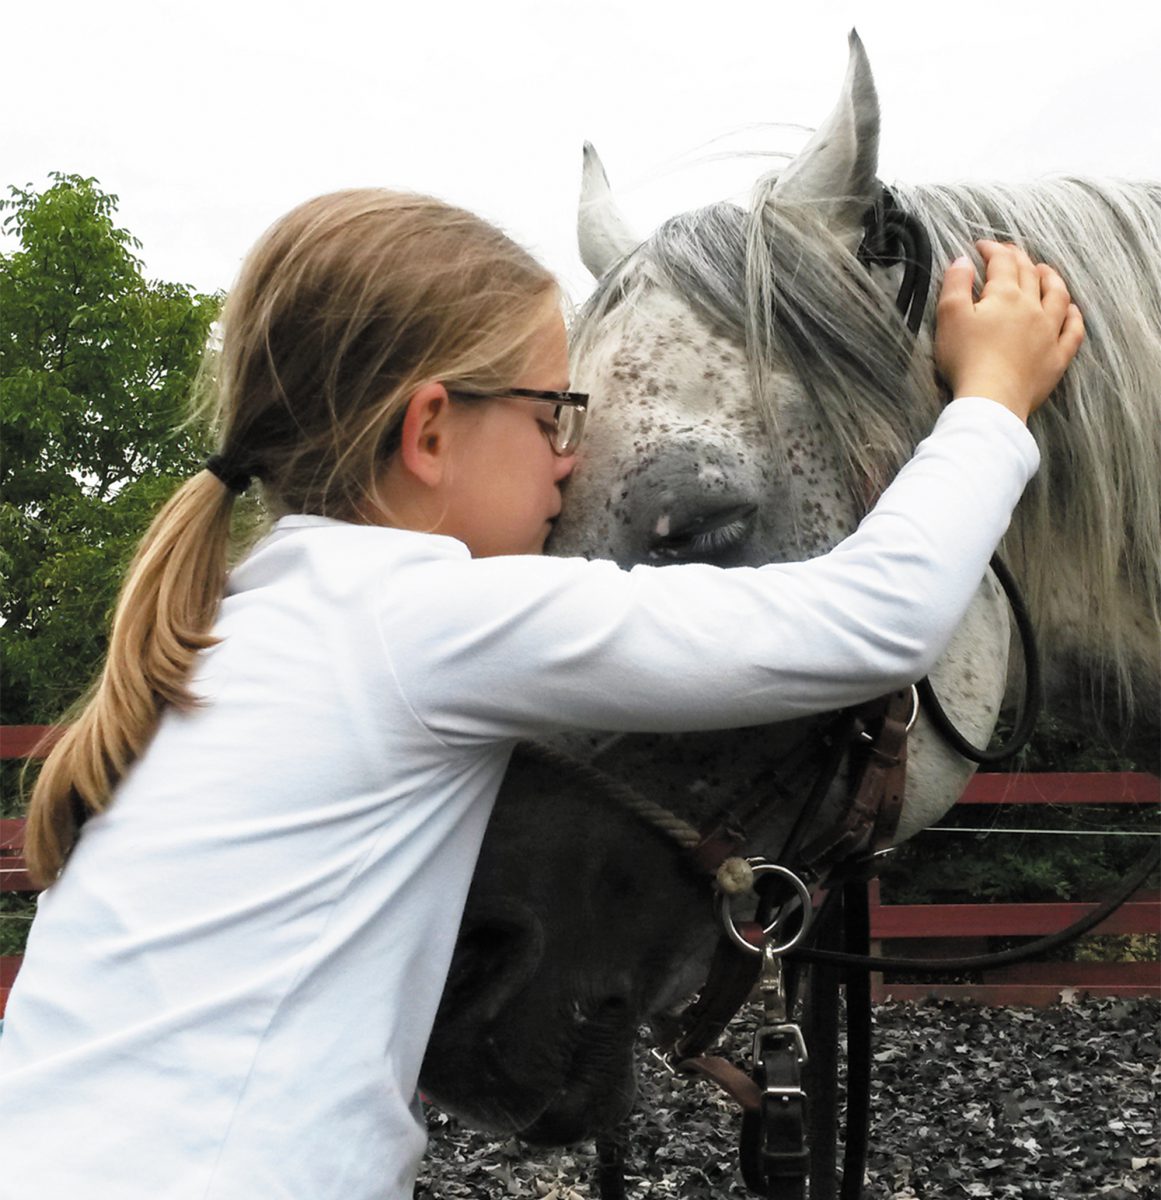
x=335, y=560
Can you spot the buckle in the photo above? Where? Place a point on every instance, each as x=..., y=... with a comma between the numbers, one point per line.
x=788, y=1031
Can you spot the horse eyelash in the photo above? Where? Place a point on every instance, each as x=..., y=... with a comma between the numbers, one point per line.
x=716, y=540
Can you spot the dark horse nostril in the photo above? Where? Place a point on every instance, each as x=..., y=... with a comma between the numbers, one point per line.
x=496, y=954
x=617, y=1003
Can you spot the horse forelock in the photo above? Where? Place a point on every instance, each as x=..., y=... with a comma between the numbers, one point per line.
x=775, y=282
x=779, y=284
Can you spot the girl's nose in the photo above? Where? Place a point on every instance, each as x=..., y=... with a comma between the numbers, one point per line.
x=562, y=466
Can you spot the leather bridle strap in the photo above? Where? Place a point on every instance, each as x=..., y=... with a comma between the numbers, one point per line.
x=611, y=1166
x=892, y=237
x=878, y=731
x=775, y=1151
x=728, y=832
x=729, y=982
x=856, y=930
x=873, y=738
x=879, y=755
x=1033, y=699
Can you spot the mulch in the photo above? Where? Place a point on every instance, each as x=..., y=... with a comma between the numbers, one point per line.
x=1052, y=1104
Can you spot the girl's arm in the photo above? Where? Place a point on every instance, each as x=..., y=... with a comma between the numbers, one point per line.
x=514, y=646
x=499, y=647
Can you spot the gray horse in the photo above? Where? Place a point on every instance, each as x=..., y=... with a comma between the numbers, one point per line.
x=754, y=387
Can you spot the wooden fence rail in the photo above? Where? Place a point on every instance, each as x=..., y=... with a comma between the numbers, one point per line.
x=953, y=930
x=940, y=930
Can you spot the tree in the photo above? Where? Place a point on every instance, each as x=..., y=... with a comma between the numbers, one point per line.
x=96, y=369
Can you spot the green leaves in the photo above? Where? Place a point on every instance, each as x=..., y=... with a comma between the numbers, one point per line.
x=96, y=369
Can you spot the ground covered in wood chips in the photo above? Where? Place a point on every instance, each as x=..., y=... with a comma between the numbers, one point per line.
x=1052, y=1104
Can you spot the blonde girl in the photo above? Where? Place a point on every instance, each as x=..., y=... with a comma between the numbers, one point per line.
x=258, y=833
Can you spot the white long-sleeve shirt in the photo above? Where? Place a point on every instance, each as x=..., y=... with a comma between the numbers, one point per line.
x=228, y=992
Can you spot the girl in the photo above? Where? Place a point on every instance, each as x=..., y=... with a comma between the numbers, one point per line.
x=268, y=812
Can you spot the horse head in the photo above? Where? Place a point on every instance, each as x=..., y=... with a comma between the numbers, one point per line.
x=753, y=388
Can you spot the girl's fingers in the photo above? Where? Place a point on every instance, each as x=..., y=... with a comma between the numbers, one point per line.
x=1026, y=271
x=1000, y=260
x=958, y=279
x=1072, y=333
x=1054, y=295
x=1022, y=267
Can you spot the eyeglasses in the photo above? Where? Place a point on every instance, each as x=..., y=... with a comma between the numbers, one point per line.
x=568, y=417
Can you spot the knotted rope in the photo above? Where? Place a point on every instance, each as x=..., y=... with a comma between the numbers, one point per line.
x=734, y=877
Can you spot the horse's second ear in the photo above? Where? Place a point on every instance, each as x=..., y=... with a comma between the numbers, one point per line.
x=836, y=169
x=602, y=233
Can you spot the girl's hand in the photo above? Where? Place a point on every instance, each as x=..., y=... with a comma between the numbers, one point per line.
x=1013, y=343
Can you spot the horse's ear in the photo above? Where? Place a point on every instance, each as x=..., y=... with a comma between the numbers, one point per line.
x=836, y=169
x=601, y=232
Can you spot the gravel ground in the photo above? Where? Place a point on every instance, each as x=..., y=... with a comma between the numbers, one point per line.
x=968, y=1102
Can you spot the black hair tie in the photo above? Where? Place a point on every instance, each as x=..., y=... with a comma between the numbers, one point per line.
x=236, y=478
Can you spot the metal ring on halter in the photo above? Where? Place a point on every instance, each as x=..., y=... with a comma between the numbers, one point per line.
x=915, y=705
x=765, y=868
x=914, y=708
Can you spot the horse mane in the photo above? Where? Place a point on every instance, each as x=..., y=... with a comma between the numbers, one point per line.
x=780, y=284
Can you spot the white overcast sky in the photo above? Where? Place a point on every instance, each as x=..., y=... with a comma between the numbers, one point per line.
x=211, y=118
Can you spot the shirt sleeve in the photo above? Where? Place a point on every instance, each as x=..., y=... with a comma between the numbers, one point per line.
x=510, y=647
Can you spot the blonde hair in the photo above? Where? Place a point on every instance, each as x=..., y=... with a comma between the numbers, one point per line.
x=342, y=310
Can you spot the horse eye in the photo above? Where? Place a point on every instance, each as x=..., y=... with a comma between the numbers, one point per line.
x=710, y=538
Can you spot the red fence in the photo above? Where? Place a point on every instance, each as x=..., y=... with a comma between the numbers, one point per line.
x=946, y=930
x=962, y=928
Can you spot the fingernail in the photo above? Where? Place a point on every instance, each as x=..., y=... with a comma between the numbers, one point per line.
x=962, y=261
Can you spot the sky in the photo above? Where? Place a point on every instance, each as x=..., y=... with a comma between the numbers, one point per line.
x=211, y=119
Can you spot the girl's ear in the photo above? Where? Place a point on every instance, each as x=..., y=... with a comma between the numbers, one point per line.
x=423, y=448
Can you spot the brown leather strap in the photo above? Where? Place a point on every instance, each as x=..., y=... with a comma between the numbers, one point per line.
x=891, y=752
x=723, y=841
x=871, y=818
x=732, y=1080
x=727, y=834
x=731, y=979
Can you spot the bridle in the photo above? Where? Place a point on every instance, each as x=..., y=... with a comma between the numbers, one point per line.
x=895, y=237
x=782, y=1144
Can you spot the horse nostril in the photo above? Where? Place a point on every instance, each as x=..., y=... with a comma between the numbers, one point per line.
x=617, y=1003
x=495, y=956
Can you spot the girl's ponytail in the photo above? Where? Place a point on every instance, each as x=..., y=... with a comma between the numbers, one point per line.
x=162, y=619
